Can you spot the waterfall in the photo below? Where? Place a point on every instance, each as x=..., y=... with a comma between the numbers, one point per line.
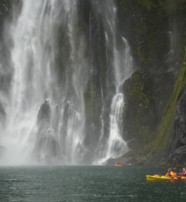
x=123, y=68
x=122, y=65
x=39, y=110
x=45, y=113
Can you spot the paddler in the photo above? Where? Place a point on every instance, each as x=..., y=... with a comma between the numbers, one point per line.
x=183, y=173
x=171, y=173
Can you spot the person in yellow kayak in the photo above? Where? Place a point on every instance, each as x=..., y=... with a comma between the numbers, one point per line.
x=183, y=173
x=171, y=173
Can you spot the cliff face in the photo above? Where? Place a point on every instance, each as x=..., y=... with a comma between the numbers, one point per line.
x=178, y=152
x=154, y=117
x=157, y=35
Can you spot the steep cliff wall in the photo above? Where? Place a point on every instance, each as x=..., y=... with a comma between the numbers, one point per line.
x=157, y=35
x=154, y=111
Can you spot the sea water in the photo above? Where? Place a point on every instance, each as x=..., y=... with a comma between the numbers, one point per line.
x=86, y=183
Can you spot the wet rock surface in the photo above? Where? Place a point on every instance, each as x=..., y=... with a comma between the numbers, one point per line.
x=178, y=154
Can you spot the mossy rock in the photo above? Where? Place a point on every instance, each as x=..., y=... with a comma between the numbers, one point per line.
x=163, y=137
x=139, y=113
x=147, y=25
x=164, y=133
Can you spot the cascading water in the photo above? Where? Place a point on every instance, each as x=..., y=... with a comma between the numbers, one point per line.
x=46, y=116
x=123, y=69
x=122, y=65
x=34, y=128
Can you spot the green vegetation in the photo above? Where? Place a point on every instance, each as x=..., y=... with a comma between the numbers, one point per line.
x=140, y=114
x=163, y=134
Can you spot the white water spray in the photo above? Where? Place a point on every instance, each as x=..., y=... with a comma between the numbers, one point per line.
x=123, y=66
x=46, y=117
x=33, y=59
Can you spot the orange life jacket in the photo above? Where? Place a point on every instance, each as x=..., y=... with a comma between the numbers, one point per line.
x=172, y=174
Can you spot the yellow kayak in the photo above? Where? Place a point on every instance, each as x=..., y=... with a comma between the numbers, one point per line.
x=163, y=177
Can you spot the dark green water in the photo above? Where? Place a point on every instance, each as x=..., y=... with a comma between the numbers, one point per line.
x=93, y=183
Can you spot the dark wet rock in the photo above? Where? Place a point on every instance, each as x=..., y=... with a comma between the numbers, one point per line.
x=180, y=122
x=178, y=154
x=132, y=143
x=43, y=119
x=139, y=113
x=44, y=113
x=2, y=116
